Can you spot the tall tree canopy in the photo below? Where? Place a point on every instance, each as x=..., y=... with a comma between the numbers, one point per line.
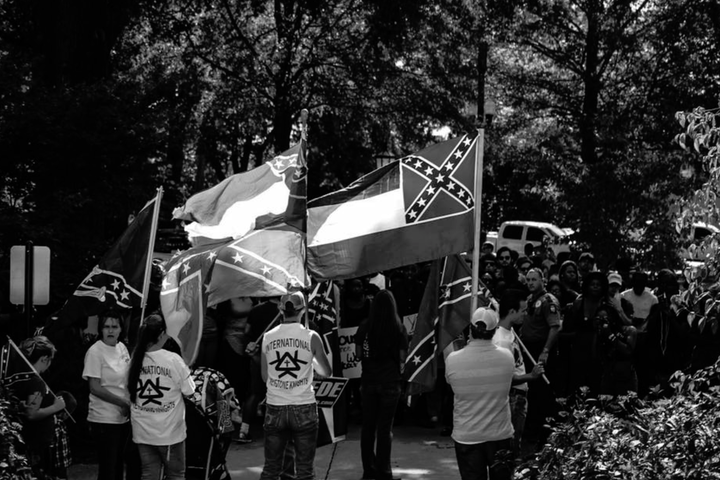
x=104, y=102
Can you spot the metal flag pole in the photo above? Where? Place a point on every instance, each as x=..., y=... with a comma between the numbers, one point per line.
x=151, y=248
x=303, y=141
x=479, y=147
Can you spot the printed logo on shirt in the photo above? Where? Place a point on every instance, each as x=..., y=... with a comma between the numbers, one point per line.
x=151, y=391
x=287, y=364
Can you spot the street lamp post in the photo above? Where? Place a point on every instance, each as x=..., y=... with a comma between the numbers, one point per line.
x=384, y=158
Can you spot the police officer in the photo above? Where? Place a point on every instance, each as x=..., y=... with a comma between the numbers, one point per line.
x=539, y=334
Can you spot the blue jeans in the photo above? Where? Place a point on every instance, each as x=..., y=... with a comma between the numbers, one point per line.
x=518, y=414
x=379, y=402
x=155, y=459
x=488, y=460
x=298, y=423
x=110, y=441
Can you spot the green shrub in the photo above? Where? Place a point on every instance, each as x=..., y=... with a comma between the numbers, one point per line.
x=626, y=438
x=13, y=464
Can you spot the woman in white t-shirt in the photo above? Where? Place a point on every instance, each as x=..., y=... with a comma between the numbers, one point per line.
x=157, y=381
x=106, y=366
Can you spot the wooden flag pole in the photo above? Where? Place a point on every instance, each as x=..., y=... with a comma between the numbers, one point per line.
x=524, y=349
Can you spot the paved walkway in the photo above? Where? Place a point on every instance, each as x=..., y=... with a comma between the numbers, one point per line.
x=418, y=454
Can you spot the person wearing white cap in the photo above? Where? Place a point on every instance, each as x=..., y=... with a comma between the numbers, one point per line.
x=289, y=353
x=480, y=376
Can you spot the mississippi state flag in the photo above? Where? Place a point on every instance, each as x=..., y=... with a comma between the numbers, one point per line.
x=271, y=194
x=416, y=209
x=250, y=241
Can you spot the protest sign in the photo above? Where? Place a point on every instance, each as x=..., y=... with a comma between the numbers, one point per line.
x=351, y=367
x=328, y=390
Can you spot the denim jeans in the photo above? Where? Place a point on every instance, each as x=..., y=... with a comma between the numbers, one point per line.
x=110, y=442
x=298, y=423
x=155, y=459
x=488, y=460
x=518, y=414
x=379, y=402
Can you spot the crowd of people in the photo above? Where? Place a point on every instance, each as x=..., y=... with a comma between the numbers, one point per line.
x=549, y=329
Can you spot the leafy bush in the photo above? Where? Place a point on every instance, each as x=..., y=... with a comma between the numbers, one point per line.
x=627, y=438
x=13, y=464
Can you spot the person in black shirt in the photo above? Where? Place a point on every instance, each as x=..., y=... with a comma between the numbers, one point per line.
x=381, y=345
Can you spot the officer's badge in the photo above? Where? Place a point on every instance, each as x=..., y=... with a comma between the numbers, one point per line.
x=553, y=309
x=537, y=304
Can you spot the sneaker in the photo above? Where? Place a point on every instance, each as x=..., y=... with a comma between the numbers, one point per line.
x=242, y=438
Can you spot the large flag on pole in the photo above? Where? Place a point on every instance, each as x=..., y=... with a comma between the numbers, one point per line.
x=272, y=193
x=118, y=278
x=264, y=262
x=413, y=210
x=444, y=313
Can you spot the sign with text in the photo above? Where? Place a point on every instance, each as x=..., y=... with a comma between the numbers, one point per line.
x=351, y=367
x=328, y=390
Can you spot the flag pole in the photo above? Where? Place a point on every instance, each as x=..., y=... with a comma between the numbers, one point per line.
x=27, y=362
x=479, y=147
x=151, y=249
x=303, y=140
x=479, y=153
x=524, y=349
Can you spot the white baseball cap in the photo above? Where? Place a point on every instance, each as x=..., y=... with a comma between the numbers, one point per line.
x=486, y=316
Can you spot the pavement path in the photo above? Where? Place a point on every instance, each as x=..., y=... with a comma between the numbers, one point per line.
x=418, y=454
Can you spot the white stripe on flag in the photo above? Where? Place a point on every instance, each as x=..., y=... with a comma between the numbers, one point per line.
x=255, y=275
x=421, y=366
x=454, y=300
x=239, y=218
x=334, y=223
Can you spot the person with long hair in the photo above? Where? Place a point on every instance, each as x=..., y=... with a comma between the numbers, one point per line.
x=157, y=381
x=40, y=405
x=381, y=345
x=106, y=367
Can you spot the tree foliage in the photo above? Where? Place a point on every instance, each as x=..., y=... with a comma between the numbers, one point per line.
x=103, y=105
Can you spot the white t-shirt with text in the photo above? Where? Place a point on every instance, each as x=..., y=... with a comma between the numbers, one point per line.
x=158, y=414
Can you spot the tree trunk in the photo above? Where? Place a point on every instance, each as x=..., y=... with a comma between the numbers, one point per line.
x=591, y=80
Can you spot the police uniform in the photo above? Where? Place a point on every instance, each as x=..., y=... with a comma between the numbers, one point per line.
x=543, y=313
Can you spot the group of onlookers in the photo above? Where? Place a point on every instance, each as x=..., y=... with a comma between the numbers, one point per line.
x=621, y=329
